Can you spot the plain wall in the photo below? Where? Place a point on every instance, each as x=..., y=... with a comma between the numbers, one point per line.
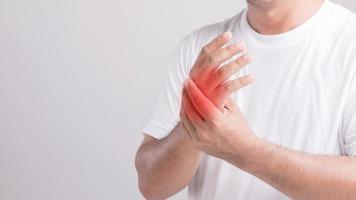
x=78, y=81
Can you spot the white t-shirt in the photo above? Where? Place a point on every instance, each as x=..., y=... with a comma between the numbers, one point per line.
x=304, y=96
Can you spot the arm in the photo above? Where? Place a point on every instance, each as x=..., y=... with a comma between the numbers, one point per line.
x=166, y=166
x=298, y=175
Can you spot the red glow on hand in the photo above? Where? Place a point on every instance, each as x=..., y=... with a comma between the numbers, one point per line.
x=196, y=104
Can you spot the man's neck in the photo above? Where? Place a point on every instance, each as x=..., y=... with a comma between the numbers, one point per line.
x=282, y=16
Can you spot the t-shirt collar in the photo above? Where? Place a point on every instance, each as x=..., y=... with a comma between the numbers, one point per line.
x=287, y=38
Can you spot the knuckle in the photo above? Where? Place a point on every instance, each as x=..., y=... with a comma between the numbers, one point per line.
x=239, y=47
x=247, y=57
x=205, y=50
x=237, y=84
x=212, y=59
x=220, y=73
x=231, y=49
x=220, y=90
x=228, y=87
x=242, y=62
x=219, y=40
x=244, y=81
x=239, y=61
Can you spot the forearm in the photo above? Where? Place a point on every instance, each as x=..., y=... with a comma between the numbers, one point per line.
x=301, y=175
x=166, y=166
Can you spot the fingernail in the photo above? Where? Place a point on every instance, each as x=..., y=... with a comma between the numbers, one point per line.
x=240, y=46
x=247, y=57
x=243, y=45
x=227, y=35
x=251, y=78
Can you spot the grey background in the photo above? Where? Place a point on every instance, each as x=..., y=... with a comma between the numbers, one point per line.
x=78, y=81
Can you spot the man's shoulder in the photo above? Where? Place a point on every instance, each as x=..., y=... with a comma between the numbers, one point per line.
x=339, y=32
x=344, y=34
x=344, y=14
x=343, y=23
x=203, y=35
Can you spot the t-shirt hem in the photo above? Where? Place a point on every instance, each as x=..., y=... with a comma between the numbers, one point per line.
x=155, y=131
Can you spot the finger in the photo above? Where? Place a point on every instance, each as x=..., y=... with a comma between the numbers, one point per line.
x=226, y=89
x=210, y=48
x=189, y=109
x=201, y=103
x=225, y=72
x=225, y=53
x=217, y=43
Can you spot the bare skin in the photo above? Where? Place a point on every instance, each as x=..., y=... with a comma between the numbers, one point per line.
x=226, y=135
x=213, y=124
x=278, y=16
x=166, y=166
x=171, y=163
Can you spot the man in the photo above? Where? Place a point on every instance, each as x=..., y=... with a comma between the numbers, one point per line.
x=290, y=134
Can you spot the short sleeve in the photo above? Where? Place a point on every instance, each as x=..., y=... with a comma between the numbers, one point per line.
x=166, y=112
x=349, y=126
x=349, y=112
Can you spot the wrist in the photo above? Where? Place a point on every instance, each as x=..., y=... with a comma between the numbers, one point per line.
x=185, y=138
x=247, y=153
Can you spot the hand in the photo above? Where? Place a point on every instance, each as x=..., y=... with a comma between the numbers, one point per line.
x=211, y=79
x=215, y=132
